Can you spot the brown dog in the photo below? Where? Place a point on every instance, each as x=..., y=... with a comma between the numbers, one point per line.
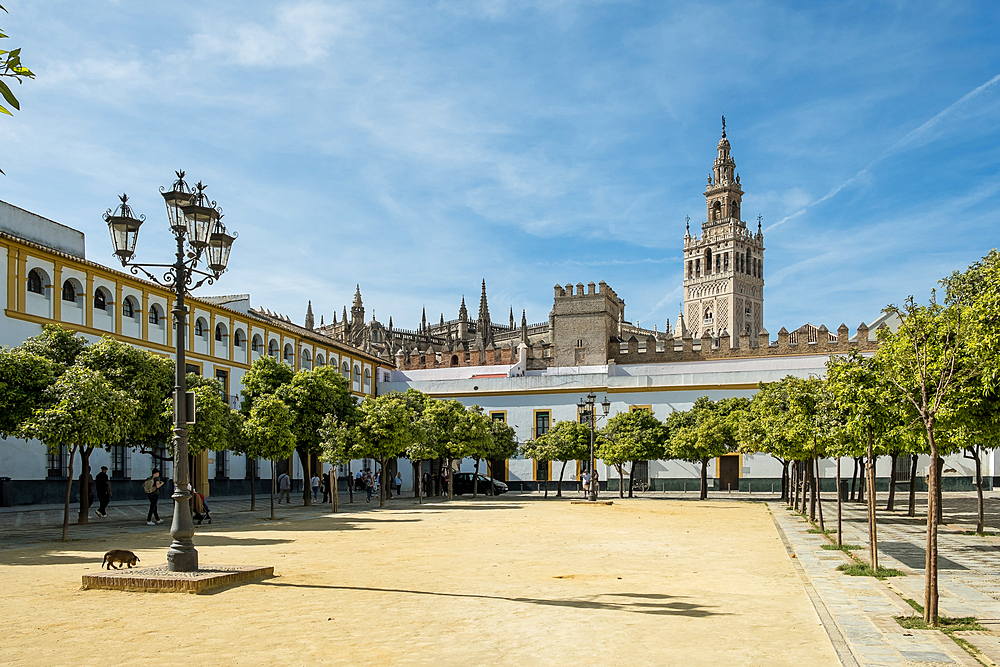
x=120, y=556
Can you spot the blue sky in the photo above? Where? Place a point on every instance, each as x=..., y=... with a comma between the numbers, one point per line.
x=417, y=148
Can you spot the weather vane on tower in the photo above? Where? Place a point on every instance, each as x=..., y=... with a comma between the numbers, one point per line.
x=723, y=124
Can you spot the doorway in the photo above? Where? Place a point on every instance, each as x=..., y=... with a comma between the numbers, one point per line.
x=729, y=473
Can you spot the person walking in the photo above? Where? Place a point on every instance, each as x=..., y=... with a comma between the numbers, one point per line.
x=103, y=489
x=427, y=484
x=315, y=485
x=152, y=488
x=324, y=486
x=369, y=486
x=284, y=488
x=585, y=478
x=399, y=484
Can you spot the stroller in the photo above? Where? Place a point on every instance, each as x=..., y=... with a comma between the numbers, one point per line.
x=199, y=509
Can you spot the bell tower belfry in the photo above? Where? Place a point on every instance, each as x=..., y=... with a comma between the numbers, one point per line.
x=724, y=266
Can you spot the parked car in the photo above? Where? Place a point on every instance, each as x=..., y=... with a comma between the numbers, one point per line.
x=463, y=484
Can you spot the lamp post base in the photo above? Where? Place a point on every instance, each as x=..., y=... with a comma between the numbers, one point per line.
x=182, y=556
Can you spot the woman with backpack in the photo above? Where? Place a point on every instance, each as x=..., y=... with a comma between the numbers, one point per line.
x=152, y=488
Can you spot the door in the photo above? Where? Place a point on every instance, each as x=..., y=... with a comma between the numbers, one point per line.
x=729, y=473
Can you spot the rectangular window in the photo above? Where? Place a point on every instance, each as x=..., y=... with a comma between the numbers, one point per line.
x=541, y=423
x=222, y=465
x=223, y=377
x=191, y=368
x=163, y=462
x=120, y=462
x=697, y=268
x=636, y=408
x=499, y=417
x=56, y=463
x=542, y=471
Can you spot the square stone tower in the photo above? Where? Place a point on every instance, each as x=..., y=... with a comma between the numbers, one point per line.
x=724, y=267
x=583, y=323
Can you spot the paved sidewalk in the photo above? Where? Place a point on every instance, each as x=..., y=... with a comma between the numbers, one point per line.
x=857, y=612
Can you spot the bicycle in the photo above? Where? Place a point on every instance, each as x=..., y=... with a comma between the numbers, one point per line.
x=639, y=485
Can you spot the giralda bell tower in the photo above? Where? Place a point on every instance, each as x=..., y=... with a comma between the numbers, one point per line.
x=724, y=267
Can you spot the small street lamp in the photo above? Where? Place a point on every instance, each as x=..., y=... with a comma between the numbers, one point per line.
x=197, y=225
x=586, y=407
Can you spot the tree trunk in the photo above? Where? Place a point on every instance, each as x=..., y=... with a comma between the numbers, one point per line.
x=862, y=483
x=819, y=491
x=784, y=482
x=451, y=482
x=69, y=490
x=562, y=471
x=253, y=485
x=334, y=491
x=931, y=561
x=84, y=516
x=939, y=504
x=383, y=486
x=704, y=480
x=418, y=481
x=350, y=484
x=475, y=480
x=872, y=528
x=889, y=505
x=913, y=486
x=840, y=524
x=811, y=474
x=980, y=515
x=272, y=489
x=793, y=490
x=631, y=472
x=621, y=480
x=854, y=478
x=545, y=464
x=307, y=498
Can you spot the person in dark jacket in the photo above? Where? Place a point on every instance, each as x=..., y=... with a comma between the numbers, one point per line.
x=103, y=489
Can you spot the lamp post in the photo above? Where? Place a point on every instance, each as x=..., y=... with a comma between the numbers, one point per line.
x=196, y=223
x=586, y=407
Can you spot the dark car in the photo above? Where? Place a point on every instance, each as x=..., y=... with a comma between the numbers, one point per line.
x=463, y=484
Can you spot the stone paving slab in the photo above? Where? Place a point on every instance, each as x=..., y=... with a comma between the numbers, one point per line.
x=861, y=609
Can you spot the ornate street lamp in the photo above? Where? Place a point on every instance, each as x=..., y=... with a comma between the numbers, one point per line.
x=586, y=407
x=197, y=226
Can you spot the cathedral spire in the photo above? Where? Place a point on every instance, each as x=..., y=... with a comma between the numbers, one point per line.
x=512, y=318
x=423, y=320
x=358, y=308
x=524, y=327
x=483, y=326
x=321, y=325
x=463, y=312
x=310, y=320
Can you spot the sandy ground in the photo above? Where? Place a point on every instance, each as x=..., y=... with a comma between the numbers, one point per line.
x=496, y=581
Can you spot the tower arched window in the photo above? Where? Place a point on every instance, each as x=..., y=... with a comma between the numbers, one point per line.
x=708, y=261
x=749, y=260
x=68, y=291
x=735, y=206
x=717, y=211
x=35, y=283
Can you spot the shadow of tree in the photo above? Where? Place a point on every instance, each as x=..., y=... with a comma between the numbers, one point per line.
x=659, y=604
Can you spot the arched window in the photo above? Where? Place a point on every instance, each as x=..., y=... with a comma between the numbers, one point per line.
x=289, y=354
x=220, y=332
x=68, y=291
x=256, y=343
x=454, y=360
x=735, y=206
x=346, y=370
x=749, y=258
x=306, y=359
x=357, y=377
x=101, y=299
x=368, y=381
x=272, y=349
x=35, y=283
x=320, y=361
x=201, y=328
x=717, y=211
x=155, y=314
x=708, y=261
x=239, y=338
x=128, y=307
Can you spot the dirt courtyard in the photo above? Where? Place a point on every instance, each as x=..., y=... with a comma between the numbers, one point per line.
x=508, y=581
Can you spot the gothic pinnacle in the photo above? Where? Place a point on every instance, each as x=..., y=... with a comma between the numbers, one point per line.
x=310, y=321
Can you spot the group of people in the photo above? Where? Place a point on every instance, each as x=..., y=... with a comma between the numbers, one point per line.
x=427, y=478
x=370, y=482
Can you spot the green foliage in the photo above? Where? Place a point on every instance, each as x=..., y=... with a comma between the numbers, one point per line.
x=312, y=395
x=11, y=67
x=268, y=429
x=630, y=436
x=977, y=291
x=709, y=430
x=335, y=441
x=868, y=405
x=846, y=548
x=216, y=426
x=459, y=432
x=84, y=410
x=502, y=442
x=57, y=343
x=571, y=440
x=143, y=376
x=386, y=427
x=265, y=376
x=543, y=449
x=24, y=376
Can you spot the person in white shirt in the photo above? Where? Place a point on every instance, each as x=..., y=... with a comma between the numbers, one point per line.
x=315, y=485
x=585, y=478
x=398, y=483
